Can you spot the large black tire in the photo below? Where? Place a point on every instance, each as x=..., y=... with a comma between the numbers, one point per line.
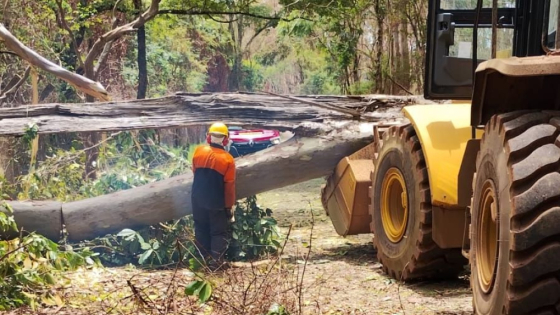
x=516, y=204
x=415, y=255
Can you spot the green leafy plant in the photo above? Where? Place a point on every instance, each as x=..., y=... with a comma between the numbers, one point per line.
x=163, y=244
x=30, y=133
x=254, y=232
x=200, y=288
x=31, y=265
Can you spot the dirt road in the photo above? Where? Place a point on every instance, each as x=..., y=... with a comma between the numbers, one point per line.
x=343, y=275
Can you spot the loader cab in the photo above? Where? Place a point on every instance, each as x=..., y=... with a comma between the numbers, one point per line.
x=522, y=29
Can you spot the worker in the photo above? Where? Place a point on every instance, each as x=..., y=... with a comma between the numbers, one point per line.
x=213, y=194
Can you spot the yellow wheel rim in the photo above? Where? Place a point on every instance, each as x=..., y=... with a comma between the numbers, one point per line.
x=394, y=205
x=487, y=247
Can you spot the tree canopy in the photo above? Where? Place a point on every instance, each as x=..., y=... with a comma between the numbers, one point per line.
x=151, y=48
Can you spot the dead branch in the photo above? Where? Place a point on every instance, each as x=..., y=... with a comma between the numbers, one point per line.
x=354, y=113
x=16, y=87
x=65, y=26
x=115, y=33
x=277, y=257
x=8, y=53
x=177, y=245
x=183, y=110
x=107, y=48
x=300, y=285
x=249, y=14
x=6, y=17
x=137, y=295
x=399, y=85
x=83, y=84
x=14, y=250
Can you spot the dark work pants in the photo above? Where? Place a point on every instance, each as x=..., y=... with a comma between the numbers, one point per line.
x=210, y=228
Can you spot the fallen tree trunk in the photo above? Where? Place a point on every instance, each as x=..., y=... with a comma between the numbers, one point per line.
x=296, y=160
x=184, y=110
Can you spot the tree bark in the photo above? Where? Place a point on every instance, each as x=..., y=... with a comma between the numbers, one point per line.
x=404, y=53
x=185, y=110
x=142, y=62
x=44, y=217
x=236, y=33
x=380, y=14
x=296, y=160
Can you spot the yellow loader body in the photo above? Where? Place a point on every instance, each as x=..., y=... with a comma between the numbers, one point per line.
x=443, y=131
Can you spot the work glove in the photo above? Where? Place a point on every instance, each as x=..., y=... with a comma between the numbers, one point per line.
x=229, y=214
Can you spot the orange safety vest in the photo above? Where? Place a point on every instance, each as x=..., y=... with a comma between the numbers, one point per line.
x=214, y=177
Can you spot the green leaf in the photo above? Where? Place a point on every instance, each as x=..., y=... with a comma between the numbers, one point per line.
x=267, y=236
x=126, y=232
x=205, y=292
x=145, y=246
x=193, y=287
x=145, y=256
x=140, y=239
x=194, y=264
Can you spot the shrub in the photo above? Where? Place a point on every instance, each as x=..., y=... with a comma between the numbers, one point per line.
x=254, y=232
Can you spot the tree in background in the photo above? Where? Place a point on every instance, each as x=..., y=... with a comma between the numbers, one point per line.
x=377, y=46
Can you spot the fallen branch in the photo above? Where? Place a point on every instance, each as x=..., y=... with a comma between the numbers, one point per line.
x=83, y=84
x=14, y=250
x=182, y=110
x=354, y=113
x=300, y=284
x=16, y=87
x=399, y=85
x=8, y=53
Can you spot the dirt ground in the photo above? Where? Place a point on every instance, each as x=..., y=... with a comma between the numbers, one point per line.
x=343, y=274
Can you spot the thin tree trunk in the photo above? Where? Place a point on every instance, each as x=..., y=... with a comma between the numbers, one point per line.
x=380, y=43
x=236, y=77
x=405, y=54
x=142, y=62
x=356, y=67
x=397, y=54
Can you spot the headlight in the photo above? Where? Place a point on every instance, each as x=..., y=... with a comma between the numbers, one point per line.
x=275, y=140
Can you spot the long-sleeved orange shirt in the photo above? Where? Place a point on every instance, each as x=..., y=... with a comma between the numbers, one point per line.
x=214, y=177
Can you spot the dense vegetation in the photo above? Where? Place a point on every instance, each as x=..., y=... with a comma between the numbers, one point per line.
x=283, y=46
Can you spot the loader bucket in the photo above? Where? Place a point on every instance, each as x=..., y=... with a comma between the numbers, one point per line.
x=345, y=197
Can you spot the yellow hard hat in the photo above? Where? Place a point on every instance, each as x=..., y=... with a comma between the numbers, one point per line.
x=219, y=128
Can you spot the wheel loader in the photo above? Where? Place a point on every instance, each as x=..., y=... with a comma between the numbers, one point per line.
x=474, y=181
